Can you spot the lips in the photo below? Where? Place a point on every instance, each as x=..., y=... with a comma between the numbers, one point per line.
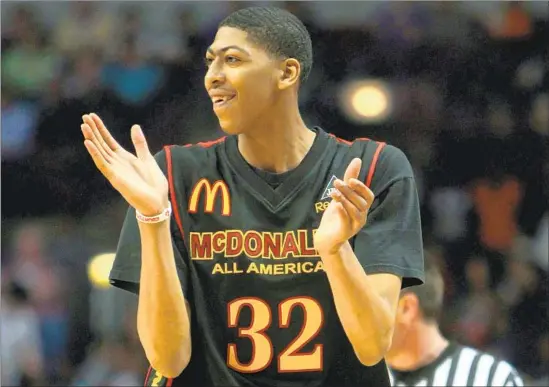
x=221, y=98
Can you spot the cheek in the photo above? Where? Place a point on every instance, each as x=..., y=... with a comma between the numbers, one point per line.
x=256, y=88
x=399, y=335
x=398, y=330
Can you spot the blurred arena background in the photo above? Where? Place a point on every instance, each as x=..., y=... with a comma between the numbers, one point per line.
x=461, y=87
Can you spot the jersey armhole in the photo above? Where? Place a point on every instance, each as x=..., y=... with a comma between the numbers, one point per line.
x=172, y=193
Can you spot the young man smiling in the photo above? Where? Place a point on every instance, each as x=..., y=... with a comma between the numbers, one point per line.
x=273, y=256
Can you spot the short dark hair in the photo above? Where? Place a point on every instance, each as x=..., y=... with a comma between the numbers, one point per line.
x=431, y=293
x=277, y=31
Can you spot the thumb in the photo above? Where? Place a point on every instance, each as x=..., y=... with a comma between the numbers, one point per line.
x=353, y=170
x=140, y=143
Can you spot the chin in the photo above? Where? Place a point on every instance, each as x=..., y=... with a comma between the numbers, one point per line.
x=229, y=127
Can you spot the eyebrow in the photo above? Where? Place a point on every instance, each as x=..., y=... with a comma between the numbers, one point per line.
x=226, y=48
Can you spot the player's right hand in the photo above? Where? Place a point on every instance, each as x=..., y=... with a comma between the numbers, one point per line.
x=138, y=177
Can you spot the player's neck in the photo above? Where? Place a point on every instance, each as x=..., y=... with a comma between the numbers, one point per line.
x=279, y=143
x=422, y=347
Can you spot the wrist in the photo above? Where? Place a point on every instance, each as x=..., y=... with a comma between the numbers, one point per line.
x=158, y=216
x=332, y=250
x=153, y=228
x=155, y=209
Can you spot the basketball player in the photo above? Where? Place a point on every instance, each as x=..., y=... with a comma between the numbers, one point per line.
x=421, y=356
x=253, y=257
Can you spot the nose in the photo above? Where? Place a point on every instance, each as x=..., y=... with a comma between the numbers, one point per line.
x=214, y=77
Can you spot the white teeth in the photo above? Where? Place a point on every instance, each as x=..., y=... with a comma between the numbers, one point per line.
x=221, y=100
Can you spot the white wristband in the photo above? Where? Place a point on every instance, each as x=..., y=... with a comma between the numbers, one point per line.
x=155, y=218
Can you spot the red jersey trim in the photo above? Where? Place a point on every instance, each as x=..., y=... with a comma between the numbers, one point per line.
x=371, y=171
x=173, y=196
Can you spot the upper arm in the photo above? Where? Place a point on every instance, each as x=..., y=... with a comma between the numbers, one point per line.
x=126, y=271
x=391, y=241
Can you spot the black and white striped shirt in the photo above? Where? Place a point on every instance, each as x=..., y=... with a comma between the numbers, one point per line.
x=460, y=366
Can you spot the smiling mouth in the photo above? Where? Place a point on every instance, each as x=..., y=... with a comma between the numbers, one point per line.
x=221, y=101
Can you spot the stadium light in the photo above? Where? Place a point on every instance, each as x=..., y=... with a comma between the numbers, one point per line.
x=366, y=101
x=99, y=268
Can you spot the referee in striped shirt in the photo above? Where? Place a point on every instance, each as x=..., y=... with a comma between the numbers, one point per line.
x=421, y=356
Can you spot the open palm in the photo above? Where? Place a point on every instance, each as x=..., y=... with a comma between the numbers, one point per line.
x=138, y=177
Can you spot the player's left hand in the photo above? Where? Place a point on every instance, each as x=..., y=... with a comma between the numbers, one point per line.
x=347, y=212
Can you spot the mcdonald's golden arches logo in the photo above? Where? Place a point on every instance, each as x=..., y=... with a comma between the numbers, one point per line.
x=211, y=191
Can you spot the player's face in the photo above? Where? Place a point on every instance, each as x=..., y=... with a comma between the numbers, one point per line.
x=241, y=80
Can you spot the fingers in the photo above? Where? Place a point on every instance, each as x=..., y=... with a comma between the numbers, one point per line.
x=353, y=170
x=105, y=134
x=90, y=136
x=355, y=196
x=140, y=143
x=96, y=137
x=357, y=216
x=100, y=162
x=361, y=189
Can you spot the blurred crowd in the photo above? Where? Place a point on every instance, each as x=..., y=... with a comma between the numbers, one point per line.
x=471, y=97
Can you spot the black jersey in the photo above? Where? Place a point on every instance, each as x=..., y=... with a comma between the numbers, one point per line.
x=262, y=310
x=459, y=365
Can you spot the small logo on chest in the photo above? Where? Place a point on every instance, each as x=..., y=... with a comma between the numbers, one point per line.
x=325, y=199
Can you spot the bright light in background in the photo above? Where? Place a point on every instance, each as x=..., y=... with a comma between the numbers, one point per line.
x=99, y=268
x=366, y=101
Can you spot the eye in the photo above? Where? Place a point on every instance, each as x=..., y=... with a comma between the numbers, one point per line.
x=231, y=59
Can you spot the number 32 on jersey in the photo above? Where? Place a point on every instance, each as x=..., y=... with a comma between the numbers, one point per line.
x=291, y=358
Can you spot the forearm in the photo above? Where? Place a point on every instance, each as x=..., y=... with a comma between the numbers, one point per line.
x=162, y=318
x=365, y=316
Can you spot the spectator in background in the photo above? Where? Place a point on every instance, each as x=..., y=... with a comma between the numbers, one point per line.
x=156, y=42
x=30, y=266
x=21, y=20
x=497, y=202
x=523, y=292
x=449, y=207
x=84, y=76
x=513, y=22
x=132, y=78
x=112, y=363
x=477, y=310
x=19, y=120
x=29, y=67
x=84, y=25
x=20, y=343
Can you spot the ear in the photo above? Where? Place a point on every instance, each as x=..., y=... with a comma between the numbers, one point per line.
x=408, y=308
x=289, y=74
